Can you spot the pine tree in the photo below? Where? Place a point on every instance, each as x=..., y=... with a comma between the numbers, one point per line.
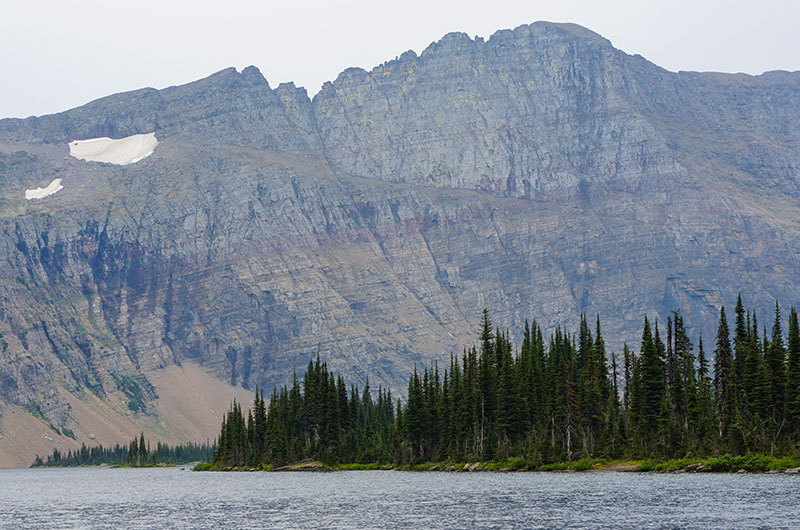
x=142, y=454
x=652, y=381
x=723, y=366
x=588, y=387
x=792, y=399
x=707, y=428
x=414, y=416
x=487, y=401
x=627, y=360
x=775, y=361
x=686, y=393
x=741, y=338
x=506, y=402
x=133, y=453
x=332, y=418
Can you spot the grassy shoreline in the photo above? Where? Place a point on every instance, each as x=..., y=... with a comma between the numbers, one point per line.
x=726, y=463
x=159, y=464
x=753, y=463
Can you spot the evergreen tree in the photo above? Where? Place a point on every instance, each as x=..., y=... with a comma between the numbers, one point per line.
x=775, y=361
x=141, y=459
x=792, y=399
x=652, y=382
x=723, y=366
x=706, y=430
x=133, y=453
x=487, y=403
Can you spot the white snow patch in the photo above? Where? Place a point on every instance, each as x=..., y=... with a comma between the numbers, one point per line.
x=40, y=193
x=122, y=151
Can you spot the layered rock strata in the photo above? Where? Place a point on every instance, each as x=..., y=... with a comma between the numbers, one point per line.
x=541, y=173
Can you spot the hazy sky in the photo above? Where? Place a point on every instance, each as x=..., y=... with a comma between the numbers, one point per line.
x=62, y=53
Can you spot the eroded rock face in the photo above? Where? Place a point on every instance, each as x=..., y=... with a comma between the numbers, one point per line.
x=530, y=112
x=541, y=174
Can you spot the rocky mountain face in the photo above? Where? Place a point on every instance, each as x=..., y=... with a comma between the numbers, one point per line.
x=541, y=173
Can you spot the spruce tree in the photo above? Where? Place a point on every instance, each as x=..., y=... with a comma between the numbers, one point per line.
x=686, y=393
x=723, y=366
x=133, y=453
x=707, y=428
x=589, y=395
x=775, y=361
x=627, y=361
x=486, y=404
x=142, y=454
x=792, y=399
x=741, y=335
x=652, y=382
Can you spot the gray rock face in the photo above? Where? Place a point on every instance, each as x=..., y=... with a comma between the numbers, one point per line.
x=227, y=108
x=543, y=108
x=530, y=112
x=541, y=173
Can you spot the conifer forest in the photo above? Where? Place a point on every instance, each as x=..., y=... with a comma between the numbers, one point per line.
x=138, y=453
x=554, y=399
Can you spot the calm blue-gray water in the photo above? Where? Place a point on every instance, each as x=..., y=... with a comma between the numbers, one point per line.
x=172, y=498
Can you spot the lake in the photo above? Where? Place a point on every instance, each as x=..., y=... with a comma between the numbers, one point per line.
x=173, y=498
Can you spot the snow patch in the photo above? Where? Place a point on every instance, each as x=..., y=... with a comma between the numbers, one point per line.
x=40, y=193
x=122, y=151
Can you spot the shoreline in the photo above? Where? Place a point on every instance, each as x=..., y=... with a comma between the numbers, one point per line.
x=711, y=465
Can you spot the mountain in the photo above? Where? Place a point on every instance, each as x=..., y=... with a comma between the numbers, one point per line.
x=541, y=173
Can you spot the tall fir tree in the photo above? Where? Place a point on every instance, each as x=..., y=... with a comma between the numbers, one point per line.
x=775, y=360
x=792, y=399
x=652, y=382
x=723, y=367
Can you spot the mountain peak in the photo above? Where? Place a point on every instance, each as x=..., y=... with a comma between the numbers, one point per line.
x=575, y=30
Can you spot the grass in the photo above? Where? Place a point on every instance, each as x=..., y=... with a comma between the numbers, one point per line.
x=584, y=464
x=360, y=467
x=724, y=463
x=158, y=464
x=510, y=464
x=720, y=464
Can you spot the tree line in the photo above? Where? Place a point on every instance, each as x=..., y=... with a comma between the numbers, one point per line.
x=322, y=419
x=563, y=398
x=138, y=453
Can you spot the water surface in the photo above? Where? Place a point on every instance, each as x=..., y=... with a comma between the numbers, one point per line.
x=102, y=498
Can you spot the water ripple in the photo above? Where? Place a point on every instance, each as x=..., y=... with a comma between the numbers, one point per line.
x=100, y=498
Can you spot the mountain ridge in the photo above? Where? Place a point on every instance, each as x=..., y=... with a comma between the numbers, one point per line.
x=541, y=173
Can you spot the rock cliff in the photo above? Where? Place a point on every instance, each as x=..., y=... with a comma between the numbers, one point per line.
x=541, y=173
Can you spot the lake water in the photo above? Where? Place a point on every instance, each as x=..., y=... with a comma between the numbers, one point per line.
x=176, y=499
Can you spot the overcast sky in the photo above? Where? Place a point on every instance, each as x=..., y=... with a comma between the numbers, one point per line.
x=63, y=53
